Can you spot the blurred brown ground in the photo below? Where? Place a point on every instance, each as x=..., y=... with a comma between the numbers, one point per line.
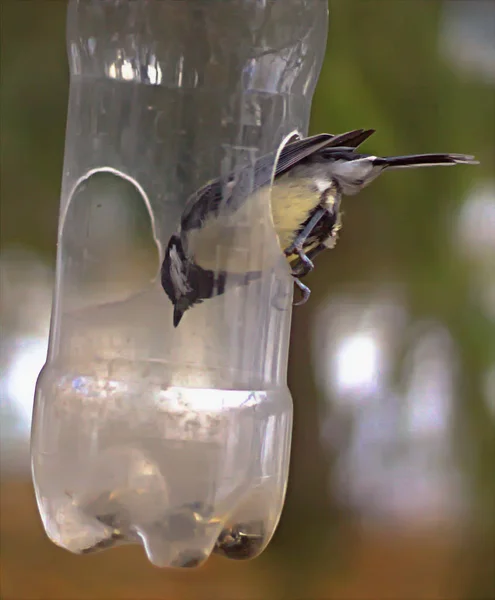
x=413, y=562
x=384, y=69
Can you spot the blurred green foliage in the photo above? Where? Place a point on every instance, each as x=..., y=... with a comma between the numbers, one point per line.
x=383, y=70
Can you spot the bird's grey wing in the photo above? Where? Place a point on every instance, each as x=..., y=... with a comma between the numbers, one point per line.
x=295, y=152
x=229, y=193
x=204, y=202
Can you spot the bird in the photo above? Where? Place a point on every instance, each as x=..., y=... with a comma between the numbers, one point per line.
x=303, y=194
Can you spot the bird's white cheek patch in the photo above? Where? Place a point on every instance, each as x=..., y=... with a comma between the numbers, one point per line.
x=176, y=274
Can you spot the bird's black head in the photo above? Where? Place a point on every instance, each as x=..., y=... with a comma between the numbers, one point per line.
x=184, y=282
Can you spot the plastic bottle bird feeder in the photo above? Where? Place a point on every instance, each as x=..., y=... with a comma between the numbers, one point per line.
x=175, y=438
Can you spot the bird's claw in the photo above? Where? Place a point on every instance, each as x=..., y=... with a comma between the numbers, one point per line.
x=306, y=292
x=307, y=263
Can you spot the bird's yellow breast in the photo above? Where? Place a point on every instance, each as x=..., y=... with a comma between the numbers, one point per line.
x=292, y=201
x=241, y=241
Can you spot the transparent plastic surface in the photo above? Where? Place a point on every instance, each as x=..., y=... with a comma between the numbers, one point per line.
x=175, y=438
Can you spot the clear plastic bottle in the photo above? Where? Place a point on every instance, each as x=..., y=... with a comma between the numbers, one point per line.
x=178, y=439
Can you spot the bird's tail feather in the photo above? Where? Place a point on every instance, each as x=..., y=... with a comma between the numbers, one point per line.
x=428, y=160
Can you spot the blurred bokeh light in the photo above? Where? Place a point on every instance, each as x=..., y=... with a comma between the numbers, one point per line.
x=392, y=487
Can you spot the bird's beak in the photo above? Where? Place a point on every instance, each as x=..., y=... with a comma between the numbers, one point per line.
x=178, y=312
x=180, y=307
